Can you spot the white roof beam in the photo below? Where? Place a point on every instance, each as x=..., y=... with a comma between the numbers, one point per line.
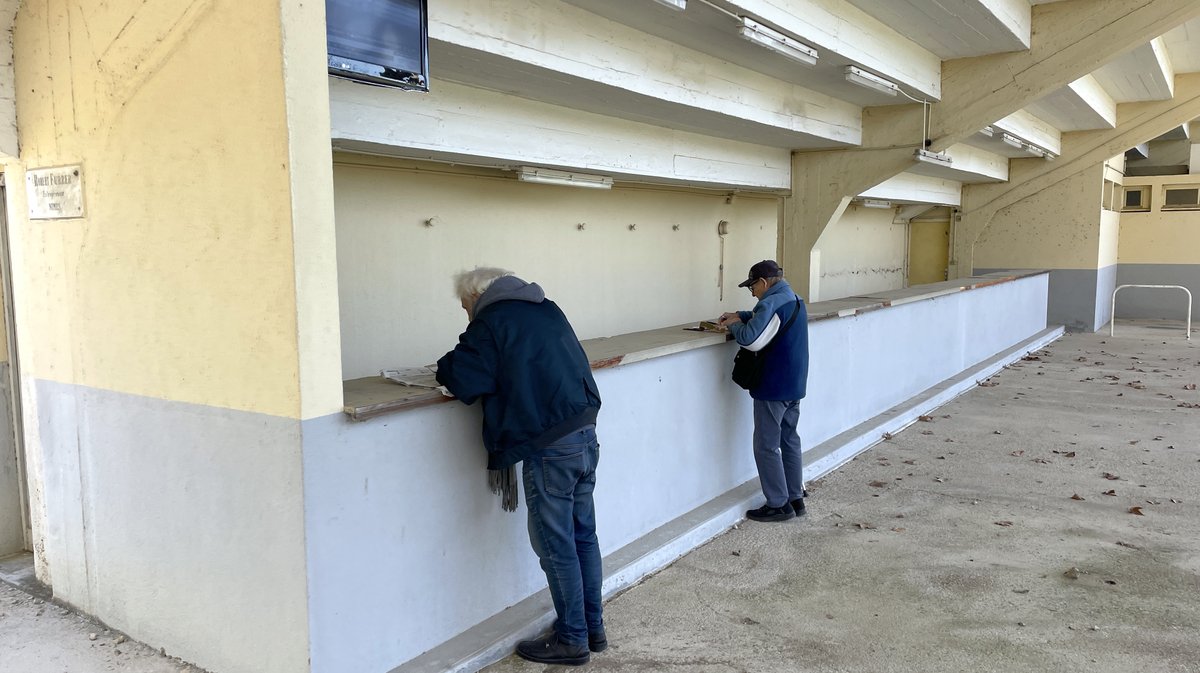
x=839, y=27
x=915, y=188
x=1079, y=106
x=564, y=55
x=1075, y=38
x=1143, y=74
x=461, y=124
x=957, y=28
x=1031, y=129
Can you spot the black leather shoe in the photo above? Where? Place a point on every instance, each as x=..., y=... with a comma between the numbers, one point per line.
x=798, y=507
x=597, y=641
x=771, y=514
x=550, y=650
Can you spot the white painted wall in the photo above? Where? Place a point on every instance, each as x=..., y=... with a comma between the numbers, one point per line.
x=407, y=547
x=862, y=252
x=397, y=301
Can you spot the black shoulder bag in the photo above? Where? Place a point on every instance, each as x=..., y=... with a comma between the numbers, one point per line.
x=748, y=365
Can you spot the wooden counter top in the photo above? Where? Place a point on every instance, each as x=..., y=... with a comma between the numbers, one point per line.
x=374, y=396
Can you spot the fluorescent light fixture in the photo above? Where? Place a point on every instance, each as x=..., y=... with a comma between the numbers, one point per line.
x=1010, y=139
x=988, y=131
x=870, y=80
x=1050, y=156
x=674, y=4
x=568, y=178
x=876, y=203
x=935, y=158
x=777, y=41
x=1035, y=150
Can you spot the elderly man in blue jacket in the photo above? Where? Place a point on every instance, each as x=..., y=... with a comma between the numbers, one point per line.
x=778, y=326
x=521, y=359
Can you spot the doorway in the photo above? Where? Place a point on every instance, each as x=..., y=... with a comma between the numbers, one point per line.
x=15, y=529
x=929, y=248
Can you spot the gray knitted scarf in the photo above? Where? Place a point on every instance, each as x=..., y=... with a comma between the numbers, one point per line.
x=504, y=483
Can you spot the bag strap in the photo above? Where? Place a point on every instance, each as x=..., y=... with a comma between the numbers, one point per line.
x=795, y=312
x=786, y=325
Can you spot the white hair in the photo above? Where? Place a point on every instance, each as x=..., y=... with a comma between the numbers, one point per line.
x=476, y=281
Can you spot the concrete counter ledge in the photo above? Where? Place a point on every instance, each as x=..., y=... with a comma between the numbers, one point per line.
x=373, y=396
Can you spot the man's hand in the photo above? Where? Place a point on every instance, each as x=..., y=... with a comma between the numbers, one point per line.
x=728, y=319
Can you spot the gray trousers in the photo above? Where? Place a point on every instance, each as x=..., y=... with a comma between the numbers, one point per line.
x=777, y=451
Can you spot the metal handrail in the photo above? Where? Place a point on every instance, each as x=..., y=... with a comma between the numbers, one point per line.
x=1112, y=323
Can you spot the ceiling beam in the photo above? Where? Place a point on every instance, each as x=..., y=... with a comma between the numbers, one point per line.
x=1081, y=150
x=1070, y=39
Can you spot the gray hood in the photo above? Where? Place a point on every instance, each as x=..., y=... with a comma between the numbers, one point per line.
x=505, y=288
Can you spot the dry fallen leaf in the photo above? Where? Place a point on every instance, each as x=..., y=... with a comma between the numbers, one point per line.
x=865, y=526
x=887, y=435
x=1136, y=510
x=1018, y=453
x=910, y=462
x=1188, y=405
x=898, y=530
x=1126, y=544
x=1041, y=460
x=1073, y=573
x=925, y=419
x=1004, y=524
x=1110, y=476
x=878, y=484
x=1190, y=386
x=1078, y=497
x=1109, y=493
x=927, y=432
x=987, y=384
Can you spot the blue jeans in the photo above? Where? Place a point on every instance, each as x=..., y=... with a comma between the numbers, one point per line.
x=562, y=529
x=777, y=451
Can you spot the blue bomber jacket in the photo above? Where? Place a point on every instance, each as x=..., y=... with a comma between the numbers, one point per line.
x=786, y=372
x=520, y=357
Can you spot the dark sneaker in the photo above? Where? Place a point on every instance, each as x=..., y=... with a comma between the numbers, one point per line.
x=597, y=641
x=798, y=507
x=771, y=514
x=550, y=650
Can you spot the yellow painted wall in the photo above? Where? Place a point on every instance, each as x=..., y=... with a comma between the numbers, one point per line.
x=397, y=300
x=179, y=282
x=1057, y=228
x=861, y=252
x=1158, y=237
x=928, y=251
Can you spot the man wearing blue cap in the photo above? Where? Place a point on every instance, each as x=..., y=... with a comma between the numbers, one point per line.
x=777, y=329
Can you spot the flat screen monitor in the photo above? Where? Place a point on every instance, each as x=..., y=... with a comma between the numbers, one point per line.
x=378, y=41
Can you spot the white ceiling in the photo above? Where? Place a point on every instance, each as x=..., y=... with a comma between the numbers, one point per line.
x=956, y=28
x=940, y=29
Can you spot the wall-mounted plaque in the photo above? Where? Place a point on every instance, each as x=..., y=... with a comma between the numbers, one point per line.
x=54, y=193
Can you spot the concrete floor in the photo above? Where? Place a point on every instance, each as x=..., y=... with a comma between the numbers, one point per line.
x=981, y=539
x=998, y=535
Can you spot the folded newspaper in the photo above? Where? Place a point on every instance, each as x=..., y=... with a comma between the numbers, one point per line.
x=417, y=377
